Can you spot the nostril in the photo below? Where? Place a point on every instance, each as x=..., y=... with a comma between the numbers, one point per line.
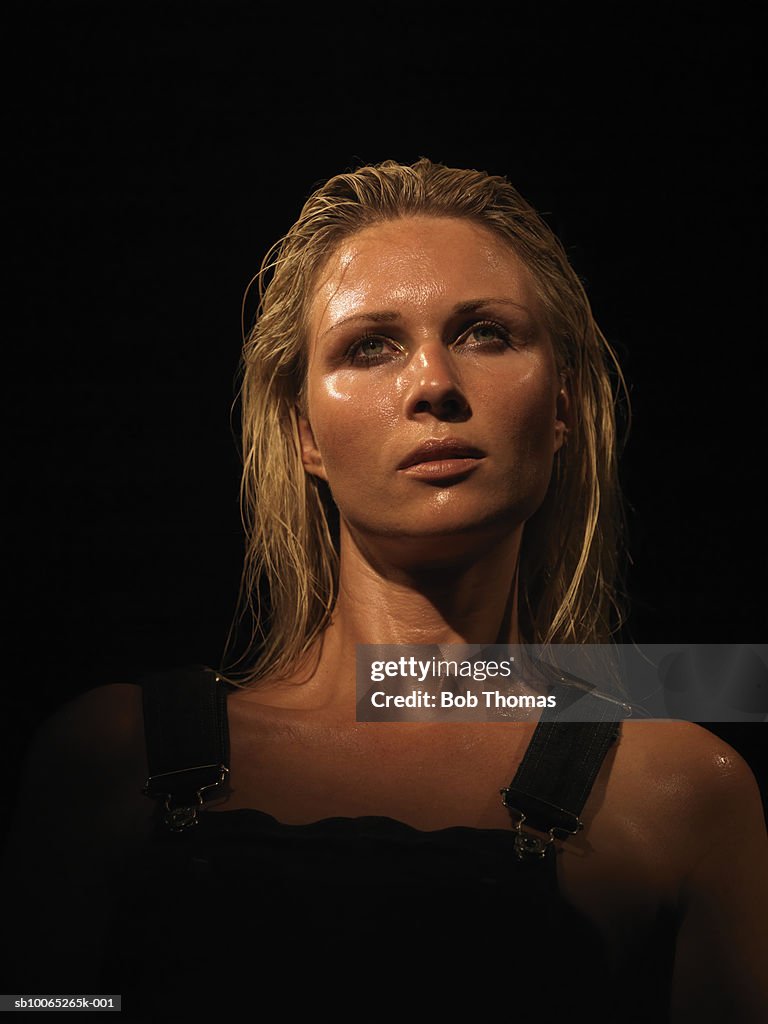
x=451, y=406
x=448, y=408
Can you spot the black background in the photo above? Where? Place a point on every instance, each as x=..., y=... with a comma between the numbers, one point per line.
x=156, y=150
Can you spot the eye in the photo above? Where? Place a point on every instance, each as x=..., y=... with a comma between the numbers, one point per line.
x=486, y=334
x=371, y=350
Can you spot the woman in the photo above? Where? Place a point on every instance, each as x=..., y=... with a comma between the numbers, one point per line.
x=429, y=458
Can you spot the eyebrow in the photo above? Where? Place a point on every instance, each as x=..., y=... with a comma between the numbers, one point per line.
x=386, y=316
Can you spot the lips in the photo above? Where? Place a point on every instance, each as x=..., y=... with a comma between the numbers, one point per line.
x=445, y=450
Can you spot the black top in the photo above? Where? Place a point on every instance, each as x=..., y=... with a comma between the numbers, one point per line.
x=365, y=917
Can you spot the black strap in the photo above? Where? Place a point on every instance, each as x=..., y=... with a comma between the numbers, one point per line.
x=187, y=738
x=560, y=766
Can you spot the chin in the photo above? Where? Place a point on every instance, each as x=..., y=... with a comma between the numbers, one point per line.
x=430, y=542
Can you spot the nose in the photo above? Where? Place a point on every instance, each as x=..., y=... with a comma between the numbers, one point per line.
x=435, y=387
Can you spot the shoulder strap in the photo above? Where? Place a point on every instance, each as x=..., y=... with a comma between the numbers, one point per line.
x=187, y=737
x=556, y=776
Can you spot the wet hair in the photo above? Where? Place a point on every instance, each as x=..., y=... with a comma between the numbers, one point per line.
x=570, y=552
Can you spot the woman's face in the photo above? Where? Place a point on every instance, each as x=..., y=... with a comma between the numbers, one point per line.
x=433, y=405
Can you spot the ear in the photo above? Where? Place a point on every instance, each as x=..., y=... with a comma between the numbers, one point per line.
x=310, y=453
x=562, y=413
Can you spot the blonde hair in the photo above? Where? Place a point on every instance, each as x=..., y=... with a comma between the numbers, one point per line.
x=569, y=559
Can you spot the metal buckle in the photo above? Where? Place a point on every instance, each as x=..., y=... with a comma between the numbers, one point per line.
x=185, y=816
x=179, y=818
x=528, y=844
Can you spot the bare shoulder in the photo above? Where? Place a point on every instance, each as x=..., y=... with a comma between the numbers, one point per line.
x=81, y=818
x=103, y=726
x=699, y=801
x=113, y=709
x=680, y=781
x=88, y=761
x=688, y=764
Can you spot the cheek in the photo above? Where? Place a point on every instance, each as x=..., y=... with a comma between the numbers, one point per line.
x=350, y=423
x=525, y=445
x=526, y=411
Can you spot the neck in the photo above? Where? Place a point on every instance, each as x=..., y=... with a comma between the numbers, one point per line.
x=467, y=597
x=387, y=598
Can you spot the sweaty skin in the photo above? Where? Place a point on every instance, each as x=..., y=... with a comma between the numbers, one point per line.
x=430, y=329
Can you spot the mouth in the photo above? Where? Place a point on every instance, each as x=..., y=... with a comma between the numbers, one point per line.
x=441, y=459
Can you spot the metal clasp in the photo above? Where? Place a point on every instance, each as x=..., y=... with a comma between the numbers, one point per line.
x=183, y=816
x=179, y=818
x=527, y=844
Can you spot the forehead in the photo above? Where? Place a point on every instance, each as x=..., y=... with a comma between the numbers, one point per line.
x=417, y=262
